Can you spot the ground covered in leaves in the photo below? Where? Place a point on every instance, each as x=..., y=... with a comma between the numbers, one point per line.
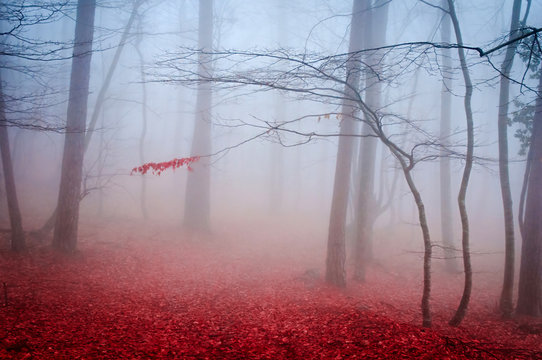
x=142, y=292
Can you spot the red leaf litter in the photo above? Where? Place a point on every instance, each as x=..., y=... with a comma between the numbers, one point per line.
x=134, y=292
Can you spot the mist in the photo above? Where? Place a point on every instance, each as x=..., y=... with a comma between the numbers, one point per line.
x=270, y=179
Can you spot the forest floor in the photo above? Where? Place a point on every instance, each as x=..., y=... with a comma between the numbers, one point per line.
x=135, y=291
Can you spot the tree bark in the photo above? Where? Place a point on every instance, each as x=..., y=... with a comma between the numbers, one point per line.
x=506, y=301
x=428, y=250
x=66, y=224
x=335, y=271
x=143, y=195
x=198, y=187
x=465, y=298
x=15, y=219
x=277, y=151
x=530, y=271
x=446, y=218
x=375, y=35
x=427, y=244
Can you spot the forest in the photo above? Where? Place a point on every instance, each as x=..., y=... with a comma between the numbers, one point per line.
x=278, y=179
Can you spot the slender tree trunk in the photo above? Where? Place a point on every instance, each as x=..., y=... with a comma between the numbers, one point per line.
x=422, y=218
x=101, y=159
x=16, y=223
x=465, y=298
x=100, y=99
x=375, y=35
x=143, y=194
x=428, y=250
x=446, y=218
x=530, y=271
x=65, y=234
x=277, y=151
x=178, y=135
x=506, y=301
x=198, y=187
x=277, y=163
x=335, y=271
x=101, y=138
x=523, y=194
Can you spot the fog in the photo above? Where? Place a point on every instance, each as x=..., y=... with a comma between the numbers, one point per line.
x=275, y=125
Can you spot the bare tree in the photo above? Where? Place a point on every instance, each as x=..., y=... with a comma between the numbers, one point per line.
x=66, y=224
x=336, y=253
x=197, y=197
x=445, y=133
x=366, y=207
x=277, y=156
x=530, y=272
x=143, y=194
x=465, y=298
x=506, y=301
x=17, y=235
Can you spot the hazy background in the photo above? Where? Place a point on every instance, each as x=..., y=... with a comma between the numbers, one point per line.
x=242, y=178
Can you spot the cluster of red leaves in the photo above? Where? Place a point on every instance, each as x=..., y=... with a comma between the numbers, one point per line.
x=148, y=296
x=157, y=168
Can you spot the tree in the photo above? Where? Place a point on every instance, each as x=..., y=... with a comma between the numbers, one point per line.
x=67, y=218
x=143, y=194
x=336, y=253
x=465, y=298
x=530, y=272
x=277, y=156
x=16, y=223
x=198, y=187
x=506, y=302
x=366, y=213
x=445, y=133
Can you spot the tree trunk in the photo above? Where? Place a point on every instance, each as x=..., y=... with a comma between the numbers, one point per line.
x=506, y=302
x=530, y=271
x=198, y=187
x=446, y=218
x=178, y=134
x=277, y=151
x=100, y=99
x=277, y=163
x=375, y=35
x=335, y=271
x=427, y=245
x=428, y=250
x=16, y=223
x=465, y=298
x=143, y=194
x=65, y=234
